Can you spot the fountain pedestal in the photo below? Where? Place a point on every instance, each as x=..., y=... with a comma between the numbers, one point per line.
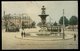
x=43, y=32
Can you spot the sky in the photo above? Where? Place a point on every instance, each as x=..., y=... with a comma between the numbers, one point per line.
x=33, y=8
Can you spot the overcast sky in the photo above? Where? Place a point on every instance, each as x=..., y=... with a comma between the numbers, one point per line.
x=33, y=9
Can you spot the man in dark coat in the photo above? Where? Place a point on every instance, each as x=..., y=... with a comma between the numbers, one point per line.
x=22, y=34
x=74, y=37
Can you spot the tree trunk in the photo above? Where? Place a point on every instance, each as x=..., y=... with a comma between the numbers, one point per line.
x=73, y=27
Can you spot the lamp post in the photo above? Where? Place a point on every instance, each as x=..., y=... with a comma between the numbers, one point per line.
x=63, y=25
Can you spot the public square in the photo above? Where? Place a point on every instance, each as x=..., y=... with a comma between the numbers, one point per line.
x=9, y=41
x=39, y=25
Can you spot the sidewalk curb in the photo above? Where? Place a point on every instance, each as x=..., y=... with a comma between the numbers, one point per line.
x=43, y=38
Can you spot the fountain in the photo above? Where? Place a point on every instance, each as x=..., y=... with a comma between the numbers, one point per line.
x=43, y=31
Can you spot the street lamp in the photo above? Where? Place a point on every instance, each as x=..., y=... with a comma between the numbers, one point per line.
x=63, y=25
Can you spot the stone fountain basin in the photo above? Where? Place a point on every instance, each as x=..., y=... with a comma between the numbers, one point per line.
x=44, y=33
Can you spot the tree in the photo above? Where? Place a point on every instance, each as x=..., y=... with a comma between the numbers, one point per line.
x=73, y=21
x=23, y=25
x=39, y=24
x=66, y=22
x=33, y=24
x=6, y=18
x=55, y=24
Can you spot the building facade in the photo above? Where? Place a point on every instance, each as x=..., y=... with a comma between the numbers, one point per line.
x=16, y=21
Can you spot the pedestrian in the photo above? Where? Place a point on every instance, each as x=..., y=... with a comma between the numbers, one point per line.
x=74, y=37
x=22, y=34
